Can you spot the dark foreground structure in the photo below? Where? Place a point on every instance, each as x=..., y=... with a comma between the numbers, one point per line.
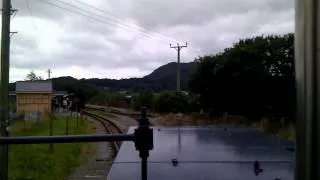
x=223, y=153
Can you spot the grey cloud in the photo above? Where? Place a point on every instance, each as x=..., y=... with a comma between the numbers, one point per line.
x=207, y=25
x=222, y=32
x=96, y=52
x=23, y=51
x=106, y=59
x=26, y=61
x=53, y=9
x=190, y=12
x=86, y=25
x=38, y=9
x=23, y=41
x=85, y=43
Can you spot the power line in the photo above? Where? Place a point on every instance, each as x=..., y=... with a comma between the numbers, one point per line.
x=129, y=28
x=146, y=31
x=166, y=39
x=96, y=19
x=117, y=17
x=31, y=16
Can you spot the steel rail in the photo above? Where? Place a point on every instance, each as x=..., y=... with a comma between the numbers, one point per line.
x=132, y=115
x=103, y=121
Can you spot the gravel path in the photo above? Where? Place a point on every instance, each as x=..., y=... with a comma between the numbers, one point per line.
x=97, y=166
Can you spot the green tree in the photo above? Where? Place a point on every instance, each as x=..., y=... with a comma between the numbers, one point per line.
x=143, y=99
x=171, y=101
x=255, y=78
x=32, y=77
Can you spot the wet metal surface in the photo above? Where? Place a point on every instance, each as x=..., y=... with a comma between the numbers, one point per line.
x=208, y=153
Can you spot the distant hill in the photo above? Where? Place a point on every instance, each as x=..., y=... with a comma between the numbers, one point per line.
x=166, y=75
x=170, y=70
x=163, y=78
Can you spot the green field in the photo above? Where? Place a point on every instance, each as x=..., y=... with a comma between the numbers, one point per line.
x=37, y=161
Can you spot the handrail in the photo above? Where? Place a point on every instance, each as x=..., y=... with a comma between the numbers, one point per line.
x=142, y=137
x=65, y=139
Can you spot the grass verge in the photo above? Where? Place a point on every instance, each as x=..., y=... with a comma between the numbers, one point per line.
x=37, y=161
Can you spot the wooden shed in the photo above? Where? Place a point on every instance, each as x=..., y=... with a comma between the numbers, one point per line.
x=33, y=96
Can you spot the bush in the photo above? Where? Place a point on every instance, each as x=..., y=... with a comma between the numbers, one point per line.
x=194, y=103
x=169, y=101
x=104, y=97
x=143, y=99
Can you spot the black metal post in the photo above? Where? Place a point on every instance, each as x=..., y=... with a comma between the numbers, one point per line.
x=144, y=142
x=77, y=111
x=81, y=118
x=67, y=125
x=51, y=133
x=24, y=123
x=144, y=168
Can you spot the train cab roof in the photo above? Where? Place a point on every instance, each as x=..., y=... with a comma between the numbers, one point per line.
x=218, y=152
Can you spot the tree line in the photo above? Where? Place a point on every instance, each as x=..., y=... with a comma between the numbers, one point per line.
x=255, y=78
x=167, y=101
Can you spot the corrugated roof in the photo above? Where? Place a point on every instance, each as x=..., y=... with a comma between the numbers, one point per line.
x=34, y=86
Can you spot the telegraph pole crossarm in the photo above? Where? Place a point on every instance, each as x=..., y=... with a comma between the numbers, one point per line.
x=12, y=33
x=178, y=48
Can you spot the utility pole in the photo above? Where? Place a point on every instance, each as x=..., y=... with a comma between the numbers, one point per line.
x=178, y=48
x=307, y=69
x=4, y=85
x=49, y=73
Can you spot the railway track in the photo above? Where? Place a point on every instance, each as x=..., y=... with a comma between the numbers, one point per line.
x=117, y=110
x=98, y=165
x=109, y=126
x=134, y=115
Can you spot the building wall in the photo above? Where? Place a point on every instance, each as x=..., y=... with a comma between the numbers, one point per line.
x=33, y=102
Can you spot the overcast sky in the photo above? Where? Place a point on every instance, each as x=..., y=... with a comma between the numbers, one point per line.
x=130, y=38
